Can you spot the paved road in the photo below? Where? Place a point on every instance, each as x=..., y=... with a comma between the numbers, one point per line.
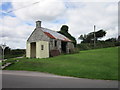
x=26, y=79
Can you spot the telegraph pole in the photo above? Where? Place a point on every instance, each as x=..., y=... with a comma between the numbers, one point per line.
x=94, y=36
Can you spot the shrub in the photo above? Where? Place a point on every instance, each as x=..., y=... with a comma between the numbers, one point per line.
x=75, y=50
x=87, y=46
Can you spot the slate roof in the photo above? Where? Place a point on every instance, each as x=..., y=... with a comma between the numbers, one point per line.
x=54, y=35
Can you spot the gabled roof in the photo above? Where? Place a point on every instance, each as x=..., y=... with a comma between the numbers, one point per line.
x=54, y=35
x=49, y=35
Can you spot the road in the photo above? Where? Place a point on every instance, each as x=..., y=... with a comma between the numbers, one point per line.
x=27, y=79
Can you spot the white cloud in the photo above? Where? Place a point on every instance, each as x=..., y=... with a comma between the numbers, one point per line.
x=103, y=15
x=14, y=32
x=80, y=17
x=66, y=0
x=45, y=10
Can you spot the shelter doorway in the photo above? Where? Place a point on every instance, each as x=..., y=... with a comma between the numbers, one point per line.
x=33, y=50
x=64, y=46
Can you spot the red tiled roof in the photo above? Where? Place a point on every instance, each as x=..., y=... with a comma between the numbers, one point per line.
x=49, y=35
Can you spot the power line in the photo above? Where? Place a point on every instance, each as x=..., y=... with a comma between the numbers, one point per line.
x=22, y=7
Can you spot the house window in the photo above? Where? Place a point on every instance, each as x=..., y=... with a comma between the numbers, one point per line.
x=55, y=43
x=42, y=47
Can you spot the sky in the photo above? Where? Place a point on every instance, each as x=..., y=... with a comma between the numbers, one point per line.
x=80, y=16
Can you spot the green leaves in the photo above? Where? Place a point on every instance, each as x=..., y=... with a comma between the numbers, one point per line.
x=90, y=36
x=64, y=31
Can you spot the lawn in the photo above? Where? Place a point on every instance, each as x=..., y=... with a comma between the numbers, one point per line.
x=93, y=64
x=0, y=63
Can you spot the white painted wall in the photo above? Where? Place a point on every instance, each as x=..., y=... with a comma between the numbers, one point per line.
x=28, y=49
x=42, y=53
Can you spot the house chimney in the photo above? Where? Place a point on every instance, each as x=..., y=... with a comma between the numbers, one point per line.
x=38, y=24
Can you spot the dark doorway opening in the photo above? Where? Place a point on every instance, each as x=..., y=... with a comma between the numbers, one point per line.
x=33, y=50
x=63, y=46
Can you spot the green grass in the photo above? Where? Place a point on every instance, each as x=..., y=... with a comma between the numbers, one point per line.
x=0, y=63
x=94, y=64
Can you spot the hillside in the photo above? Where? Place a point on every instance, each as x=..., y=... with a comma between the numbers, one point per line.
x=94, y=64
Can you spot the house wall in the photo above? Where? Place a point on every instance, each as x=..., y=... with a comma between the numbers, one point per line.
x=70, y=47
x=42, y=53
x=28, y=49
x=52, y=45
x=59, y=45
x=38, y=35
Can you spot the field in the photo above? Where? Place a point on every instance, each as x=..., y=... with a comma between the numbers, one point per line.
x=93, y=64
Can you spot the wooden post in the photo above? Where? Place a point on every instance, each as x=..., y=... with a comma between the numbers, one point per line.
x=94, y=37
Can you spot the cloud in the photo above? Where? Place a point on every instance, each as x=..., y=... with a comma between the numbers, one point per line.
x=14, y=32
x=103, y=15
x=66, y=0
x=79, y=16
x=45, y=10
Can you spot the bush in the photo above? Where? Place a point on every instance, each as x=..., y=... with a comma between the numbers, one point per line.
x=75, y=50
x=87, y=46
x=15, y=53
x=117, y=43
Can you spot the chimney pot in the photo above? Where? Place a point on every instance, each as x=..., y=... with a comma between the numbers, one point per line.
x=38, y=24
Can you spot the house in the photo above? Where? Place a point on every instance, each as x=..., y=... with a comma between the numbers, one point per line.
x=44, y=43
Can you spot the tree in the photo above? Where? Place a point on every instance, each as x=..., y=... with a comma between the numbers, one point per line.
x=7, y=50
x=99, y=34
x=64, y=31
x=111, y=40
x=81, y=37
x=64, y=28
x=90, y=36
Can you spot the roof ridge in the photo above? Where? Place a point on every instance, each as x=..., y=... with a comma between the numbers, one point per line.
x=52, y=33
x=49, y=29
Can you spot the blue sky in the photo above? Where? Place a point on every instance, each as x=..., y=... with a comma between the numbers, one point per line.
x=5, y=7
x=79, y=16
